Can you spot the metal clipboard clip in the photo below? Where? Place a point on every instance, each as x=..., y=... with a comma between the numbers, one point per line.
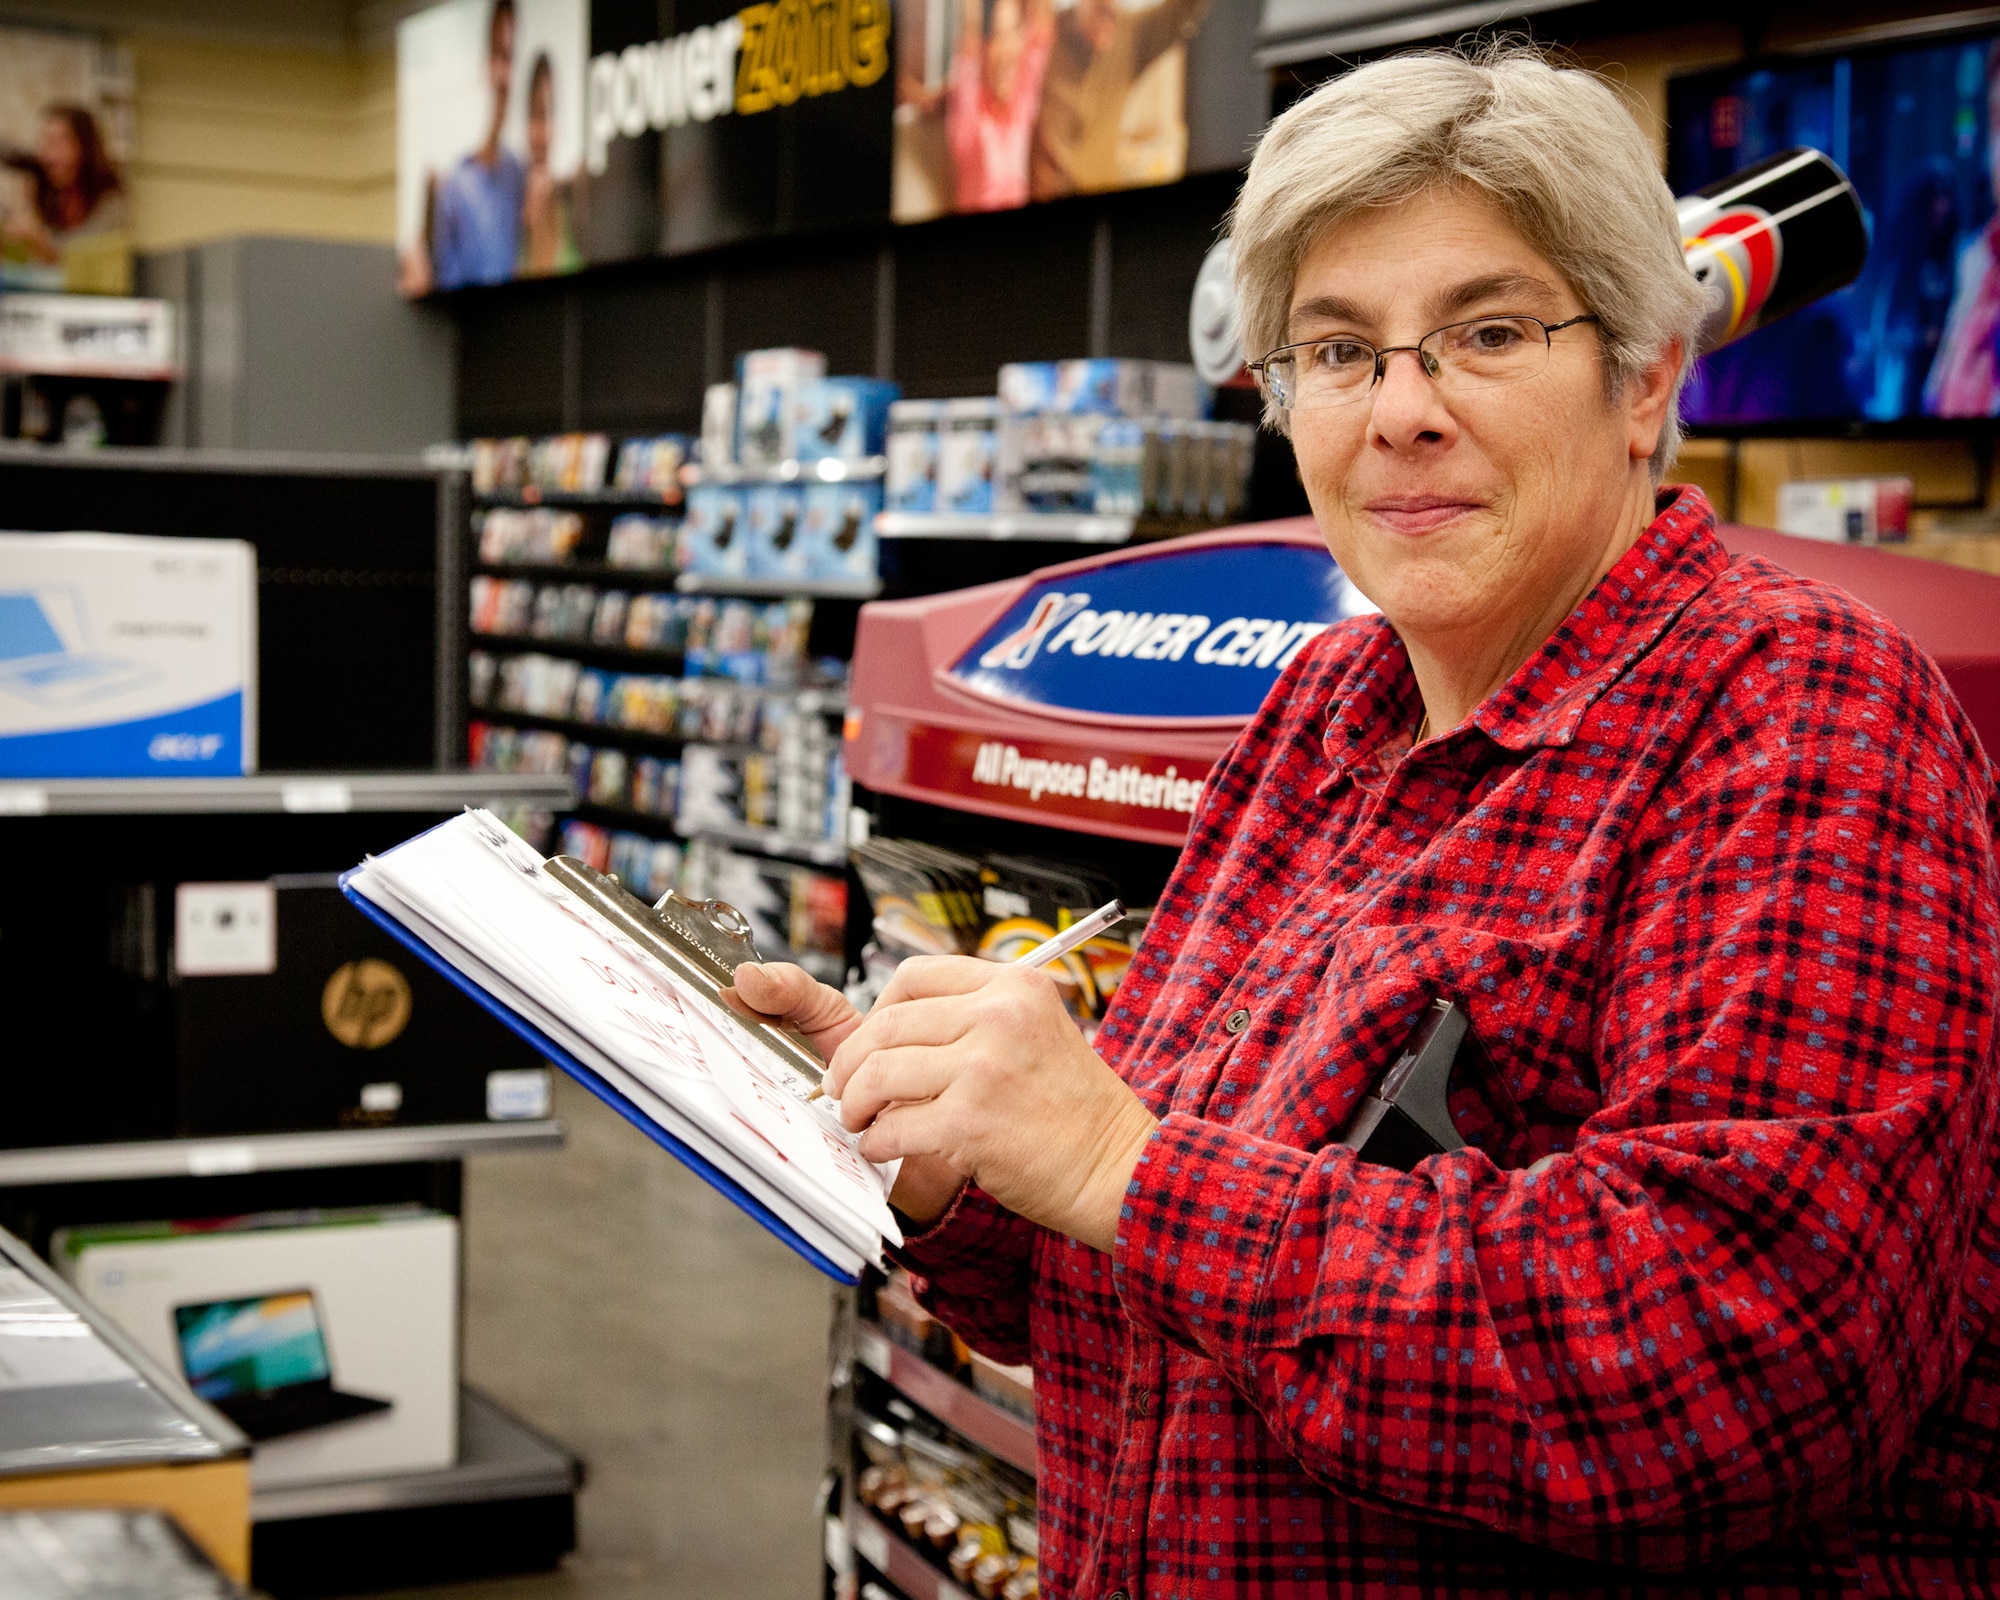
x=702, y=943
x=1407, y=1116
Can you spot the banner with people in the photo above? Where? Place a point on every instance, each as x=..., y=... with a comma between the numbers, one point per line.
x=538, y=136
x=65, y=137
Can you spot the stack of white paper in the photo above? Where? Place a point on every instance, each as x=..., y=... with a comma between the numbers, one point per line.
x=477, y=895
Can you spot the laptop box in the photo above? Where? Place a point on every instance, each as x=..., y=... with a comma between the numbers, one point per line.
x=294, y=1013
x=383, y=1291
x=124, y=656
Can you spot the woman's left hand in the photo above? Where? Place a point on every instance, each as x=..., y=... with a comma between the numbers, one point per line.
x=979, y=1063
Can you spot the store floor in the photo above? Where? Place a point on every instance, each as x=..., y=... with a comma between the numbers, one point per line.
x=625, y=1309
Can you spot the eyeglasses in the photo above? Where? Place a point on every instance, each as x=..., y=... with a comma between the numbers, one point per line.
x=1464, y=355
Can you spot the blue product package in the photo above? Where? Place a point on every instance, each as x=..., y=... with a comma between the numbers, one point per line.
x=912, y=448
x=840, y=530
x=968, y=455
x=1029, y=386
x=712, y=538
x=842, y=418
x=771, y=522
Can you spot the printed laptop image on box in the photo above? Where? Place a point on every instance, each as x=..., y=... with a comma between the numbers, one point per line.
x=44, y=652
x=127, y=656
x=262, y=1362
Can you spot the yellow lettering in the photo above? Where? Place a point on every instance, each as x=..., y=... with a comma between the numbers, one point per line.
x=868, y=41
x=784, y=71
x=751, y=92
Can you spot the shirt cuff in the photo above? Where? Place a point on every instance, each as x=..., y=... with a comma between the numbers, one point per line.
x=965, y=1234
x=1201, y=1225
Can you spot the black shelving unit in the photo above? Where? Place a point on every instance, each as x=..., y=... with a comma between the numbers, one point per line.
x=361, y=575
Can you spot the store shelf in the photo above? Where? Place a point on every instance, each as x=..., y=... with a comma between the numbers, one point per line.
x=586, y=732
x=958, y=1407
x=578, y=499
x=897, y=1559
x=1078, y=528
x=768, y=841
x=780, y=588
x=610, y=655
x=638, y=578
x=499, y=1458
x=271, y=1152
x=625, y=817
x=297, y=792
x=828, y=471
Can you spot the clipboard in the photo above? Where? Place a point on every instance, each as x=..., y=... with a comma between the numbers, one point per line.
x=692, y=1159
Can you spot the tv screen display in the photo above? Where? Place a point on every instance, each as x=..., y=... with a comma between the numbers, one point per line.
x=1918, y=333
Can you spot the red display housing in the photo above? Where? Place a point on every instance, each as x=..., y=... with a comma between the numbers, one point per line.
x=914, y=731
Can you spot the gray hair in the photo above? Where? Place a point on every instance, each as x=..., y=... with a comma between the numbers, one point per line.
x=1553, y=148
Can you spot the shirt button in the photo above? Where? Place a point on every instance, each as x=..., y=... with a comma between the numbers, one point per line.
x=1236, y=1021
x=1120, y=1594
x=1143, y=1404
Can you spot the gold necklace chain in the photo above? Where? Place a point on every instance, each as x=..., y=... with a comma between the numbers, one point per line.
x=1423, y=729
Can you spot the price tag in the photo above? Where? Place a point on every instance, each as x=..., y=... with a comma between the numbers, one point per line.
x=23, y=800
x=220, y=1160
x=871, y=1346
x=870, y=1542
x=317, y=795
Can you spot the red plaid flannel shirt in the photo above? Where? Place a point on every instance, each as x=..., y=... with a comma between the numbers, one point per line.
x=1714, y=874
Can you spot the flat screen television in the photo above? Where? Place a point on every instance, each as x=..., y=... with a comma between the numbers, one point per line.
x=1918, y=333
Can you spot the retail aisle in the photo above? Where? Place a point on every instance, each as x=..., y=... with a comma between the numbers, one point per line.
x=621, y=1306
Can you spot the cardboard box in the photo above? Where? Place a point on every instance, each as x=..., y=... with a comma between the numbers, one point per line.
x=1846, y=510
x=127, y=657
x=842, y=419
x=839, y=529
x=383, y=1287
x=768, y=384
x=912, y=449
x=773, y=547
x=294, y=1013
x=714, y=543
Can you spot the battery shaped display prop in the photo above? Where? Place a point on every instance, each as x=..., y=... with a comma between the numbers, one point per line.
x=1769, y=239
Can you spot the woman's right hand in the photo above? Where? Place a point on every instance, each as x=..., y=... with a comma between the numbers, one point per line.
x=927, y=1185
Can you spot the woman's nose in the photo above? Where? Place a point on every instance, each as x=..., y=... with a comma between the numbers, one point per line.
x=1406, y=406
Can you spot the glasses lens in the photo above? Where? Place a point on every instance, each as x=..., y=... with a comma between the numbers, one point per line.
x=1329, y=373
x=1492, y=350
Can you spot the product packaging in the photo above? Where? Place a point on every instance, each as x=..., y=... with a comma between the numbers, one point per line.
x=718, y=425
x=282, y=970
x=842, y=418
x=127, y=657
x=968, y=454
x=912, y=448
x=335, y=1307
x=768, y=386
x=839, y=530
x=713, y=543
x=1846, y=510
x=1101, y=387
x=773, y=546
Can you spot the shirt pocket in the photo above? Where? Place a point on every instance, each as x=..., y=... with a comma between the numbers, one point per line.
x=1525, y=1078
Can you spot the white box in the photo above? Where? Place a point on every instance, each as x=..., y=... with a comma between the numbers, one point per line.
x=123, y=656
x=1846, y=510
x=385, y=1284
x=768, y=384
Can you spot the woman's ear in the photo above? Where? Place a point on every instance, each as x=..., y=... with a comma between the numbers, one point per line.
x=1648, y=396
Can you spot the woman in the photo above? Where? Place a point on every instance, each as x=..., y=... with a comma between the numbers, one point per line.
x=995, y=91
x=548, y=243
x=75, y=229
x=1704, y=849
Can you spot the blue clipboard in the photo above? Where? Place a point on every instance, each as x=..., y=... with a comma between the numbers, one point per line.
x=711, y=1174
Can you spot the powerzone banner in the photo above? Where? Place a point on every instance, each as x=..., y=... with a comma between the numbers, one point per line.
x=539, y=136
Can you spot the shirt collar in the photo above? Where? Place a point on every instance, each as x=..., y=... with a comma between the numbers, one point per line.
x=1376, y=702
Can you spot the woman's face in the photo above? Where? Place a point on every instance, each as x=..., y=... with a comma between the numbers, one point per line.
x=1464, y=513
x=57, y=150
